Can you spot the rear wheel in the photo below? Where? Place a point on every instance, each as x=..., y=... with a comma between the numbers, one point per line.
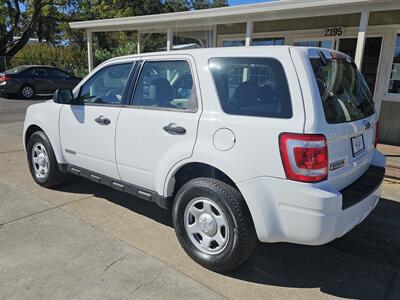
x=213, y=224
x=27, y=91
x=42, y=161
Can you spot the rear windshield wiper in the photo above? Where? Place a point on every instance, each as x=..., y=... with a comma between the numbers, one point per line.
x=322, y=58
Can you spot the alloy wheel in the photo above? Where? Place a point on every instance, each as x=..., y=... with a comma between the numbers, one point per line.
x=40, y=161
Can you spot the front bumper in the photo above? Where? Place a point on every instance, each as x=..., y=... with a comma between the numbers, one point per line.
x=310, y=214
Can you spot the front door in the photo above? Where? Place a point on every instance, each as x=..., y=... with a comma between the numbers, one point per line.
x=87, y=129
x=370, y=62
x=159, y=128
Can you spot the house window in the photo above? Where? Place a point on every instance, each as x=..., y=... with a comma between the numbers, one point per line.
x=268, y=41
x=233, y=43
x=394, y=83
x=322, y=44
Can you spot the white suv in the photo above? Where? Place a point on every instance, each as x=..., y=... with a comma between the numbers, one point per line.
x=275, y=144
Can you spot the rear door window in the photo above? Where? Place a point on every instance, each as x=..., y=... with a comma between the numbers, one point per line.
x=165, y=85
x=58, y=74
x=251, y=86
x=344, y=93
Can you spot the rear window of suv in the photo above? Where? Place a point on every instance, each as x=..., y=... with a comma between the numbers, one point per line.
x=344, y=93
x=251, y=86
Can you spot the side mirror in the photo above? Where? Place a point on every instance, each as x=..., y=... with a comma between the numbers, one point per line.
x=63, y=96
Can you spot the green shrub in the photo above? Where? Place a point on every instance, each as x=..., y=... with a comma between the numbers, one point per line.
x=70, y=59
x=100, y=55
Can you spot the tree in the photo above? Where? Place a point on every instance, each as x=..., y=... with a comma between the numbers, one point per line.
x=104, y=9
x=48, y=20
x=11, y=23
x=204, y=4
x=25, y=19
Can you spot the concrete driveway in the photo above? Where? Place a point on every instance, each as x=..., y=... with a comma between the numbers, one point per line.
x=86, y=241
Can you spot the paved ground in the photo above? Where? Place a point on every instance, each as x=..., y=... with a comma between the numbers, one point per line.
x=392, y=160
x=86, y=241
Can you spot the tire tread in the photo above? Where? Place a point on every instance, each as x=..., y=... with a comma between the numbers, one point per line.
x=235, y=201
x=56, y=177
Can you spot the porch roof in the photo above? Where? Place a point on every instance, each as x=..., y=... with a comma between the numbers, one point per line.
x=273, y=10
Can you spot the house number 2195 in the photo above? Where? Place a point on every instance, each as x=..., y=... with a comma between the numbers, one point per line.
x=333, y=31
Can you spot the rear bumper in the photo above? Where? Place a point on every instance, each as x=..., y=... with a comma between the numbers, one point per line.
x=311, y=214
x=9, y=87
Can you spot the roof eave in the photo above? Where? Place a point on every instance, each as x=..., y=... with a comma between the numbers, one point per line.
x=287, y=9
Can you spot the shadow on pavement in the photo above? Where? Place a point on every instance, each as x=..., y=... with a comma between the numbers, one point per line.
x=364, y=264
x=146, y=208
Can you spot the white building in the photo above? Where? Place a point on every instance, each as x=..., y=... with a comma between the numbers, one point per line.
x=367, y=30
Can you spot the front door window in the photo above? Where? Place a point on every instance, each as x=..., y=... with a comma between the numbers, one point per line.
x=107, y=85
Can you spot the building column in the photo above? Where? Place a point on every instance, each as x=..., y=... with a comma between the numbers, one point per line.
x=169, y=39
x=362, y=31
x=214, y=36
x=139, y=42
x=249, y=33
x=89, y=49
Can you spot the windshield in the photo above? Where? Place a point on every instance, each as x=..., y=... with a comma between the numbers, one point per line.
x=15, y=70
x=344, y=93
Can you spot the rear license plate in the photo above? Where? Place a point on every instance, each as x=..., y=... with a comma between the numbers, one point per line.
x=357, y=145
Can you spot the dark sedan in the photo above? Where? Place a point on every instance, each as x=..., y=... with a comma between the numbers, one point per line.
x=28, y=81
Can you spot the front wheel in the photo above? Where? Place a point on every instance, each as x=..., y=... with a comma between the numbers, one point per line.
x=42, y=161
x=213, y=224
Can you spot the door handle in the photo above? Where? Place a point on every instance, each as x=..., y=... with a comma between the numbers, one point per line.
x=102, y=120
x=174, y=129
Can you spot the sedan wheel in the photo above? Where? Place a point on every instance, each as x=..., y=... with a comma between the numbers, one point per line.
x=27, y=92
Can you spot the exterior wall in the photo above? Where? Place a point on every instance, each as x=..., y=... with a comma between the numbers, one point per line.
x=389, y=123
x=232, y=28
x=307, y=23
x=384, y=18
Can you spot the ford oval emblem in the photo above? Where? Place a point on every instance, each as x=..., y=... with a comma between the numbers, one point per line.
x=367, y=124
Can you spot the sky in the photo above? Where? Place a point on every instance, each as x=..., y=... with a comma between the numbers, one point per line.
x=238, y=2
x=231, y=2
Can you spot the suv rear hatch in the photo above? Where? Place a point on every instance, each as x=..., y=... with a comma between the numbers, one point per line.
x=350, y=120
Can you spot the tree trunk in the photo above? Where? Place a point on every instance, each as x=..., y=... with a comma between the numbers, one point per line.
x=29, y=30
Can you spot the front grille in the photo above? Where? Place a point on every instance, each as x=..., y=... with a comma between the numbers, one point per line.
x=362, y=187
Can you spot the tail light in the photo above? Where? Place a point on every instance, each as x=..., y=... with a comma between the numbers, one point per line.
x=4, y=78
x=304, y=156
x=376, y=140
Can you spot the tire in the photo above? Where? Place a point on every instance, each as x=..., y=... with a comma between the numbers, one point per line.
x=232, y=245
x=27, y=91
x=42, y=161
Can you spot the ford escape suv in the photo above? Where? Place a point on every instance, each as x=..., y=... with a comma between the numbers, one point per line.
x=275, y=144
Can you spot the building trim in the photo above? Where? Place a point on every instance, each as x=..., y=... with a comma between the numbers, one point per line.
x=274, y=10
